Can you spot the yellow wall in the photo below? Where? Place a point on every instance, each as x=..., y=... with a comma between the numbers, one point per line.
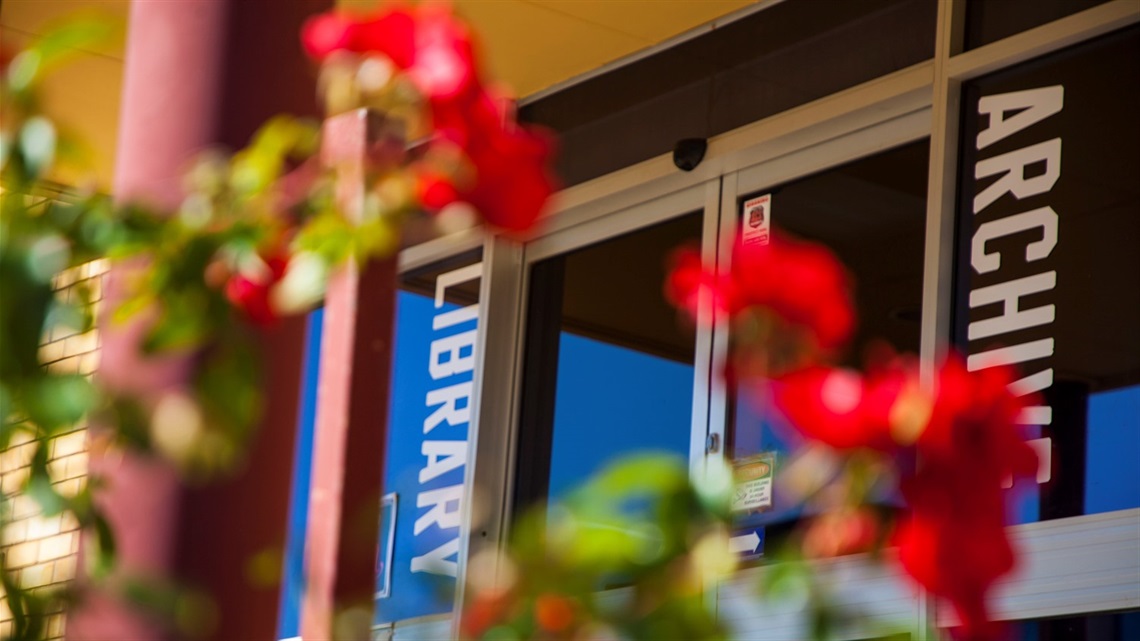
x=530, y=45
x=84, y=94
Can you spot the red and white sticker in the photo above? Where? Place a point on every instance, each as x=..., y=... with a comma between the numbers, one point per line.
x=756, y=220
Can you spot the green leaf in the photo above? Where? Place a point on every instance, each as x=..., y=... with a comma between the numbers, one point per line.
x=645, y=473
x=21, y=603
x=39, y=486
x=60, y=401
x=71, y=36
x=228, y=384
x=99, y=232
x=23, y=69
x=5, y=424
x=177, y=330
x=101, y=559
x=48, y=255
x=5, y=148
x=141, y=300
x=25, y=303
x=37, y=144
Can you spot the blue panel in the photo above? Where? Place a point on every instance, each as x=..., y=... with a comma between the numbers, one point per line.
x=293, y=576
x=415, y=589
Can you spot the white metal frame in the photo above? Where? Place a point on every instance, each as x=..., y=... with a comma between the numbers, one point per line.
x=889, y=111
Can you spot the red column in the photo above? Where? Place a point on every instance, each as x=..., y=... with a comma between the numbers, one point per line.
x=200, y=73
x=352, y=410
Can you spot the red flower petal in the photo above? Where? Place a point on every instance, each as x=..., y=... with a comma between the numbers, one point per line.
x=513, y=181
x=434, y=191
x=955, y=544
x=801, y=282
x=391, y=33
x=325, y=33
x=553, y=612
x=252, y=297
x=837, y=407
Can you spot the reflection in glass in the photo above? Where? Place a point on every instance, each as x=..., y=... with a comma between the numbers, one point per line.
x=609, y=368
x=612, y=401
x=872, y=214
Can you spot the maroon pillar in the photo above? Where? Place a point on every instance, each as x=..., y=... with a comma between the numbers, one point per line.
x=198, y=74
x=352, y=410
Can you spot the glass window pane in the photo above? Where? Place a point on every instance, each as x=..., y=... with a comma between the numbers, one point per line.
x=609, y=367
x=429, y=415
x=872, y=214
x=1049, y=272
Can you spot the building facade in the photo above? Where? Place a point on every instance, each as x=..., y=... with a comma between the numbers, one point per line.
x=975, y=166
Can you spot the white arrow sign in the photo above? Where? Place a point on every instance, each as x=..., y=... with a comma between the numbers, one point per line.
x=742, y=544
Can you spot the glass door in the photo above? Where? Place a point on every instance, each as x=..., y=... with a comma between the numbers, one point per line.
x=609, y=366
x=864, y=197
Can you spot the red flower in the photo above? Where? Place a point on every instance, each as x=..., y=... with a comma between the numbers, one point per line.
x=511, y=180
x=841, y=532
x=957, y=559
x=802, y=283
x=688, y=280
x=435, y=49
x=391, y=33
x=975, y=422
x=967, y=438
x=251, y=294
x=444, y=63
x=435, y=191
x=470, y=119
x=553, y=612
x=955, y=544
x=487, y=609
x=839, y=407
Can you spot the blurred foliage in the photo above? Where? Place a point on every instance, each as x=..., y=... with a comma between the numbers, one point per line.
x=638, y=528
x=633, y=553
x=254, y=239
x=39, y=238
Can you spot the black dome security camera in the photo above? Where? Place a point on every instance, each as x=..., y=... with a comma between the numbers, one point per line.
x=689, y=152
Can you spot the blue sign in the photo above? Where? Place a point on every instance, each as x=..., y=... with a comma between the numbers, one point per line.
x=747, y=543
x=433, y=366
